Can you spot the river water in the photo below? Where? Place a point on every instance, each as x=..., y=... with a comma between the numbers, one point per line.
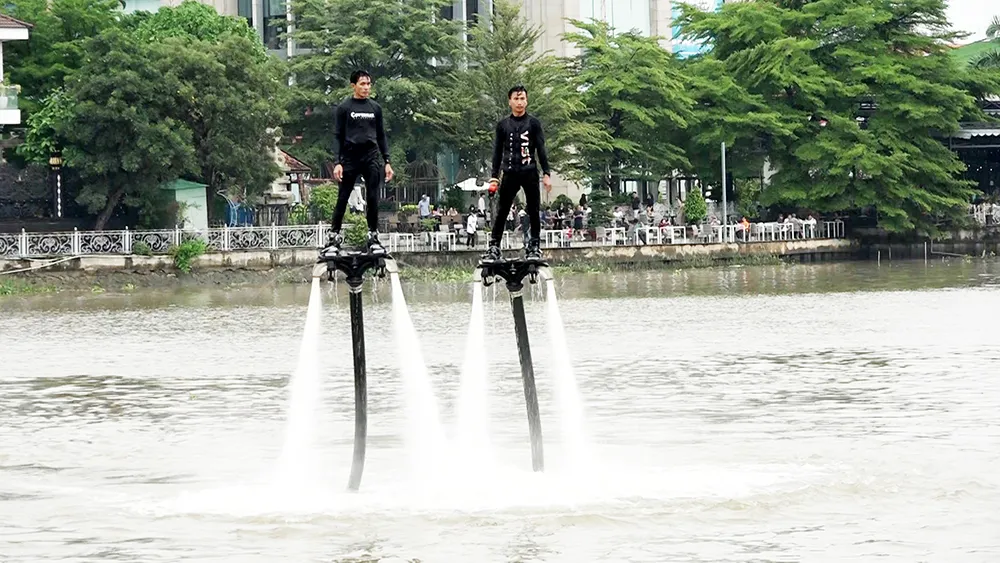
x=833, y=412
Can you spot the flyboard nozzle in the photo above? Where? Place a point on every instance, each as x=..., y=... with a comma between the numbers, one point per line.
x=319, y=270
x=390, y=266
x=545, y=273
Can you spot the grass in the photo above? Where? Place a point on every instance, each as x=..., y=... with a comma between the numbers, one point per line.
x=20, y=287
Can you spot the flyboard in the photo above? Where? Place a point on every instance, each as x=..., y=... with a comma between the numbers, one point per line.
x=514, y=273
x=354, y=265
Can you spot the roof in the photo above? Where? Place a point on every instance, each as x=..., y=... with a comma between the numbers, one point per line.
x=180, y=185
x=970, y=130
x=11, y=23
x=294, y=164
x=971, y=51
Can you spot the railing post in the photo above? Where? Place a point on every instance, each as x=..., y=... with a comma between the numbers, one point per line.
x=126, y=241
x=225, y=238
x=74, y=243
x=22, y=244
x=274, y=236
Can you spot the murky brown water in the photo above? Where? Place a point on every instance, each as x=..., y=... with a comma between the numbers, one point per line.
x=807, y=413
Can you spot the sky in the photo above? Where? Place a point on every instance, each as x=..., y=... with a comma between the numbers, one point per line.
x=972, y=16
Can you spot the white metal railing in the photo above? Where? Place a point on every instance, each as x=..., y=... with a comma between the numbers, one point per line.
x=224, y=239
x=985, y=213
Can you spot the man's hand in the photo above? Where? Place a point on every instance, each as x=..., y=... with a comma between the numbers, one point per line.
x=388, y=172
x=338, y=172
x=547, y=182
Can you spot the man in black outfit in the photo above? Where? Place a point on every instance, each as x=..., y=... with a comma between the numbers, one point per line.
x=362, y=150
x=519, y=141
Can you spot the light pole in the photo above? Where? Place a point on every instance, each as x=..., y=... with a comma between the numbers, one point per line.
x=725, y=213
x=55, y=161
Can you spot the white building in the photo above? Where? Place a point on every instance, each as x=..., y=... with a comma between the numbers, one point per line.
x=10, y=30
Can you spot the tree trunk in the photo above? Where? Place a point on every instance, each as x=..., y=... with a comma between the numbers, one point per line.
x=109, y=208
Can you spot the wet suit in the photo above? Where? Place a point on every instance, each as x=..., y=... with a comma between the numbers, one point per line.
x=519, y=140
x=362, y=150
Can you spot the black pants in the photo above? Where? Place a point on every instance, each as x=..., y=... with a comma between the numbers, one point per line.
x=509, y=186
x=372, y=169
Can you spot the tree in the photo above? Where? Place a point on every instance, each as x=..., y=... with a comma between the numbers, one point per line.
x=231, y=104
x=120, y=133
x=55, y=46
x=822, y=66
x=499, y=56
x=635, y=92
x=226, y=98
x=193, y=20
x=406, y=46
x=724, y=111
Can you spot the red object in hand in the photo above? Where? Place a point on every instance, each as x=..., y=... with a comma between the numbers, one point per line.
x=493, y=188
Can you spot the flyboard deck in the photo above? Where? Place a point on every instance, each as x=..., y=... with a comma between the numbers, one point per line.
x=513, y=272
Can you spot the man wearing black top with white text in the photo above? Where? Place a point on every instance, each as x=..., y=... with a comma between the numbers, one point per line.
x=519, y=141
x=362, y=150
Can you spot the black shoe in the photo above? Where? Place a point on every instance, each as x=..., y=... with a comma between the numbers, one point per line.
x=534, y=252
x=374, y=246
x=333, y=245
x=492, y=254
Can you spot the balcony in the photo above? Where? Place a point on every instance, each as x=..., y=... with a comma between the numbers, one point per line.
x=9, y=112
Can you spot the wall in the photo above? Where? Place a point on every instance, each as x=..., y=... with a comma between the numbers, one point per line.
x=809, y=250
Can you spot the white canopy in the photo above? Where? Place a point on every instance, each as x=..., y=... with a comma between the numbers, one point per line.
x=470, y=185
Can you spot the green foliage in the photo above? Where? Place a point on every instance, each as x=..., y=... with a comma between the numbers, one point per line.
x=42, y=141
x=635, y=92
x=186, y=252
x=600, y=208
x=55, y=48
x=15, y=286
x=563, y=200
x=322, y=201
x=299, y=215
x=141, y=112
x=355, y=229
x=193, y=20
x=454, y=197
x=399, y=44
x=809, y=61
x=474, y=99
x=695, y=208
x=140, y=248
x=122, y=135
x=748, y=197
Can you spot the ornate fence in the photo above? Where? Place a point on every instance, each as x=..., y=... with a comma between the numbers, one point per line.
x=33, y=245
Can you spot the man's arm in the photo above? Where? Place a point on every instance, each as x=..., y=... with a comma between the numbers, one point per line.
x=497, y=150
x=543, y=156
x=383, y=143
x=339, y=133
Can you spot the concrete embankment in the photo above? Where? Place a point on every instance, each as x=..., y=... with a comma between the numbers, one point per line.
x=295, y=265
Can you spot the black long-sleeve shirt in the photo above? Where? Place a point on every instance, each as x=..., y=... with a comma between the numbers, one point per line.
x=358, y=129
x=519, y=140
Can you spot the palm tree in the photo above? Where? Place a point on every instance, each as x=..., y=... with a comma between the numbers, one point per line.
x=990, y=58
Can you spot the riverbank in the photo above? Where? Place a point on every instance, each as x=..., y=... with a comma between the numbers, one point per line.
x=262, y=268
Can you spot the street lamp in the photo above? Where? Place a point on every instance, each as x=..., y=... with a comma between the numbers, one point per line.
x=55, y=161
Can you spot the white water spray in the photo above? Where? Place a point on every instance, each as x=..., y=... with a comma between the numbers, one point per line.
x=424, y=434
x=473, y=400
x=568, y=398
x=299, y=460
